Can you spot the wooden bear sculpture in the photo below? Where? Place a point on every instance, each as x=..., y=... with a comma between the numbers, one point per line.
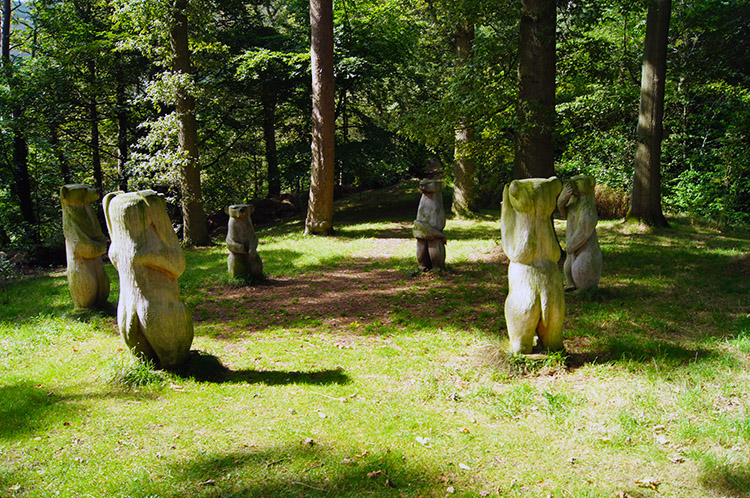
x=85, y=244
x=153, y=321
x=428, y=227
x=535, y=305
x=583, y=265
x=243, y=260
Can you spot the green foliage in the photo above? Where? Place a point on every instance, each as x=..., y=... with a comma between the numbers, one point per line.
x=132, y=372
x=400, y=90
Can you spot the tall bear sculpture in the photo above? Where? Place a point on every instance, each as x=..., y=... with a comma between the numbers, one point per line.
x=153, y=321
x=429, y=225
x=243, y=260
x=583, y=265
x=535, y=305
x=85, y=244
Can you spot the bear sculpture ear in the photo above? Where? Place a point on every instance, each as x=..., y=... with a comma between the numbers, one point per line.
x=64, y=191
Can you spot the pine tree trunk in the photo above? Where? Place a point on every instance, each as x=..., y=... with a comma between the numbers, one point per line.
x=21, y=178
x=463, y=164
x=645, y=203
x=269, y=137
x=54, y=141
x=320, y=205
x=535, y=150
x=122, y=138
x=195, y=230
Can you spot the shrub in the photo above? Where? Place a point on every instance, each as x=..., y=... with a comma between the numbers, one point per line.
x=611, y=203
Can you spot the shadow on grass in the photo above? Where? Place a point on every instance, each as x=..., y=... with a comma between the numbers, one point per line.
x=727, y=478
x=29, y=408
x=204, y=367
x=294, y=470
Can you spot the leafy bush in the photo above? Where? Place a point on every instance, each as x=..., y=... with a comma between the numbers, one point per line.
x=611, y=203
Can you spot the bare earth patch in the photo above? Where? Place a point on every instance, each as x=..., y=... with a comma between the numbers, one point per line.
x=349, y=297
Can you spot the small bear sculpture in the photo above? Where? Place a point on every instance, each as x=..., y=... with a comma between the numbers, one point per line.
x=535, y=305
x=583, y=265
x=85, y=244
x=428, y=227
x=243, y=260
x=152, y=319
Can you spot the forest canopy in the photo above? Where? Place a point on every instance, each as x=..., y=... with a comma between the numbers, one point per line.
x=89, y=93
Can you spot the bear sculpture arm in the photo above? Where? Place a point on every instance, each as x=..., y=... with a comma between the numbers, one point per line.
x=424, y=230
x=582, y=223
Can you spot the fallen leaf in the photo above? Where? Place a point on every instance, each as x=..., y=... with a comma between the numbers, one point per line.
x=450, y=490
x=658, y=428
x=363, y=454
x=176, y=387
x=464, y=466
x=572, y=460
x=648, y=483
x=308, y=441
x=389, y=483
x=662, y=440
x=484, y=493
x=424, y=441
x=676, y=459
x=207, y=482
x=347, y=460
x=623, y=494
x=464, y=430
x=374, y=474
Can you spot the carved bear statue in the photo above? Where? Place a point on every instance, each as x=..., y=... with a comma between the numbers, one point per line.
x=243, y=260
x=153, y=321
x=535, y=305
x=583, y=265
x=428, y=227
x=85, y=244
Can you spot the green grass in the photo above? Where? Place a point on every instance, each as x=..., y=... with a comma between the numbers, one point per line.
x=293, y=391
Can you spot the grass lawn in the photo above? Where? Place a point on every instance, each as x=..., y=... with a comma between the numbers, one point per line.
x=347, y=375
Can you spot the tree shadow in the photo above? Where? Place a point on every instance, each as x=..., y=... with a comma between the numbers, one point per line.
x=728, y=479
x=204, y=367
x=302, y=470
x=27, y=407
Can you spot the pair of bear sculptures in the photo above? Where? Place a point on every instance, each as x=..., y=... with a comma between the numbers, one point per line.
x=535, y=306
x=153, y=320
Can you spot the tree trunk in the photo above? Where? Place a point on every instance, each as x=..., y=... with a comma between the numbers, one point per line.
x=535, y=150
x=5, y=38
x=645, y=203
x=463, y=165
x=122, y=138
x=59, y=154
x=21, y=178
x=96, y=161
x=195, y=229
x=269, y=137
x=320, y=205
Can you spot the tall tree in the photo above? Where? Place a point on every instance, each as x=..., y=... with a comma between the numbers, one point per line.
x=645, y=203
x=22, y=180
x=463, y=162
x=320, y=205
x=195, y=229
x=535, y=109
